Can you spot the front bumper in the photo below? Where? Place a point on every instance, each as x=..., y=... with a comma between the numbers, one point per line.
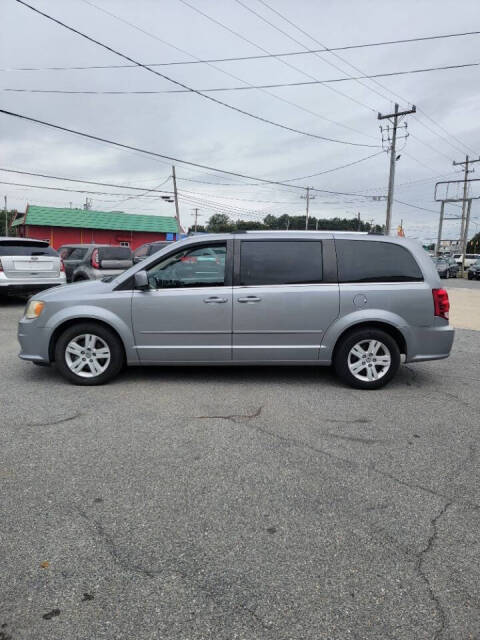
x=432, y=343
x=34, y=341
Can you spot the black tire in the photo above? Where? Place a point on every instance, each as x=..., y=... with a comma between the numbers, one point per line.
x=470, y=276
x=117, y=356
x=342, y=351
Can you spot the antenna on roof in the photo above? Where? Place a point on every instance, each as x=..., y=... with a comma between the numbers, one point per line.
x=88, y=204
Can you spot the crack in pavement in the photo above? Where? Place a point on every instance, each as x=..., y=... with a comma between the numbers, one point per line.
x=247, y=418
x=351, y=438
x=111, y=547
x=50, y=423
x=100, y=531
x=234, y=417
x=421, y=572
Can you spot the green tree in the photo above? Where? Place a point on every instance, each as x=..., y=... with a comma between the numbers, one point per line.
x=220, y=223
x=10, y=217
x=473, y=245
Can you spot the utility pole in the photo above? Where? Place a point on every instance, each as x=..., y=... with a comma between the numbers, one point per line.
x=6, y=215
x=465, y=201
x=359, y=222
x=175, y=196
x=440, y=228
x=393, y=156
x=307, y=197
x=196, y=218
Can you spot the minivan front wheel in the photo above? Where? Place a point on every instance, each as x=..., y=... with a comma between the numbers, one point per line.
x=367, y=358
x=88, y=354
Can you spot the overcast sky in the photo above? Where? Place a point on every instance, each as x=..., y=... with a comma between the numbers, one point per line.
x=189, y=127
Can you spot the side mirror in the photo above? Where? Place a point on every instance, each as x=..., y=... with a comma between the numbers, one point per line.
x=138, y=259
x=141, y=280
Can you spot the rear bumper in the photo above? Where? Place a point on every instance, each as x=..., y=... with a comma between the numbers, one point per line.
x=26, y=288
x=26, y=285
x=433, y=343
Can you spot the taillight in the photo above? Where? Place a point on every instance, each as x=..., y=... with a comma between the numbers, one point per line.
x=62, y=266
x=441, y=304
x=94, y=261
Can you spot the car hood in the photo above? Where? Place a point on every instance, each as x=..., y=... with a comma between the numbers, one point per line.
x=68, y=291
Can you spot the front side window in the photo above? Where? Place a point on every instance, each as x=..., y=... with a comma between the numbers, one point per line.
x=371, y=261
x=193, y=267
x=281, y=262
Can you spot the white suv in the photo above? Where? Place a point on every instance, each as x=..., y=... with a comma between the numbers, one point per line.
x=470, y=258
x=28, y=265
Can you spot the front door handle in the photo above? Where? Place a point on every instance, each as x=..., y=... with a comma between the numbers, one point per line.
x=249, y=299
x=216, y=299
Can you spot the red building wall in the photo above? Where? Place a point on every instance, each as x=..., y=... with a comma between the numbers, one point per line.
x=58, y=236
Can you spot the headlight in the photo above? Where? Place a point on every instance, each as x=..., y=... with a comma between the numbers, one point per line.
x=34, y=309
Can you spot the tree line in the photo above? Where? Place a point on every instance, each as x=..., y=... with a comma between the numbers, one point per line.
x=221, y=223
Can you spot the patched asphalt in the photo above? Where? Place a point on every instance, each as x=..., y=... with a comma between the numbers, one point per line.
x=239, y=503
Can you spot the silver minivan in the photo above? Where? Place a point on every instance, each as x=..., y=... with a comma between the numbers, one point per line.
x=360, y=302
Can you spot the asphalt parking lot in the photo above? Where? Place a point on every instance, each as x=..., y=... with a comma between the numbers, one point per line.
x=240, y=503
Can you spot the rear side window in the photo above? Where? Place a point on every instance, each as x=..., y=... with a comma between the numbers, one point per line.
x=77, y=254
x=281, y=262
x=156, y=247
x=114, y=253
x=65, y=252
x=26, y=249
x=142, y=251
x=369, y=261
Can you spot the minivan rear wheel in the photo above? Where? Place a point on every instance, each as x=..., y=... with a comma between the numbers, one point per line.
x=89, y=354
x=367, y=358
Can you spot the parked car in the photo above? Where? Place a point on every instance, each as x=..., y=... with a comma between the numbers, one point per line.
x=442, y=267
x=474, y=271
x=470, y=258
x=356, y=301
x=453, y=267
x=27, y=266
x=148, y=249
x=94, y=261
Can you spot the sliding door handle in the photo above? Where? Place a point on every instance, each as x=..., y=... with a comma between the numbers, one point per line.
x=249, y=299
x=215, y=299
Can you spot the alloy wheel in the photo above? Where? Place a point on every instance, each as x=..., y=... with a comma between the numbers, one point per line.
x=369, y=360
x=87, y=355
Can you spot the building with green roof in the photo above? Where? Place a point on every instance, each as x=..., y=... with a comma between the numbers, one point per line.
x=84, y=226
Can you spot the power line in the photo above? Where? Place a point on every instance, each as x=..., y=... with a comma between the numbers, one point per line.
x=337, y=56
x=248, y=87
x=332, y=64
x=221, y=70
x=415, y=206
x=160, y=155
x=350, y=164
x=37, y=186
x=244, y=58
x=101, y=184
x=254, y=44
x=184, y=86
